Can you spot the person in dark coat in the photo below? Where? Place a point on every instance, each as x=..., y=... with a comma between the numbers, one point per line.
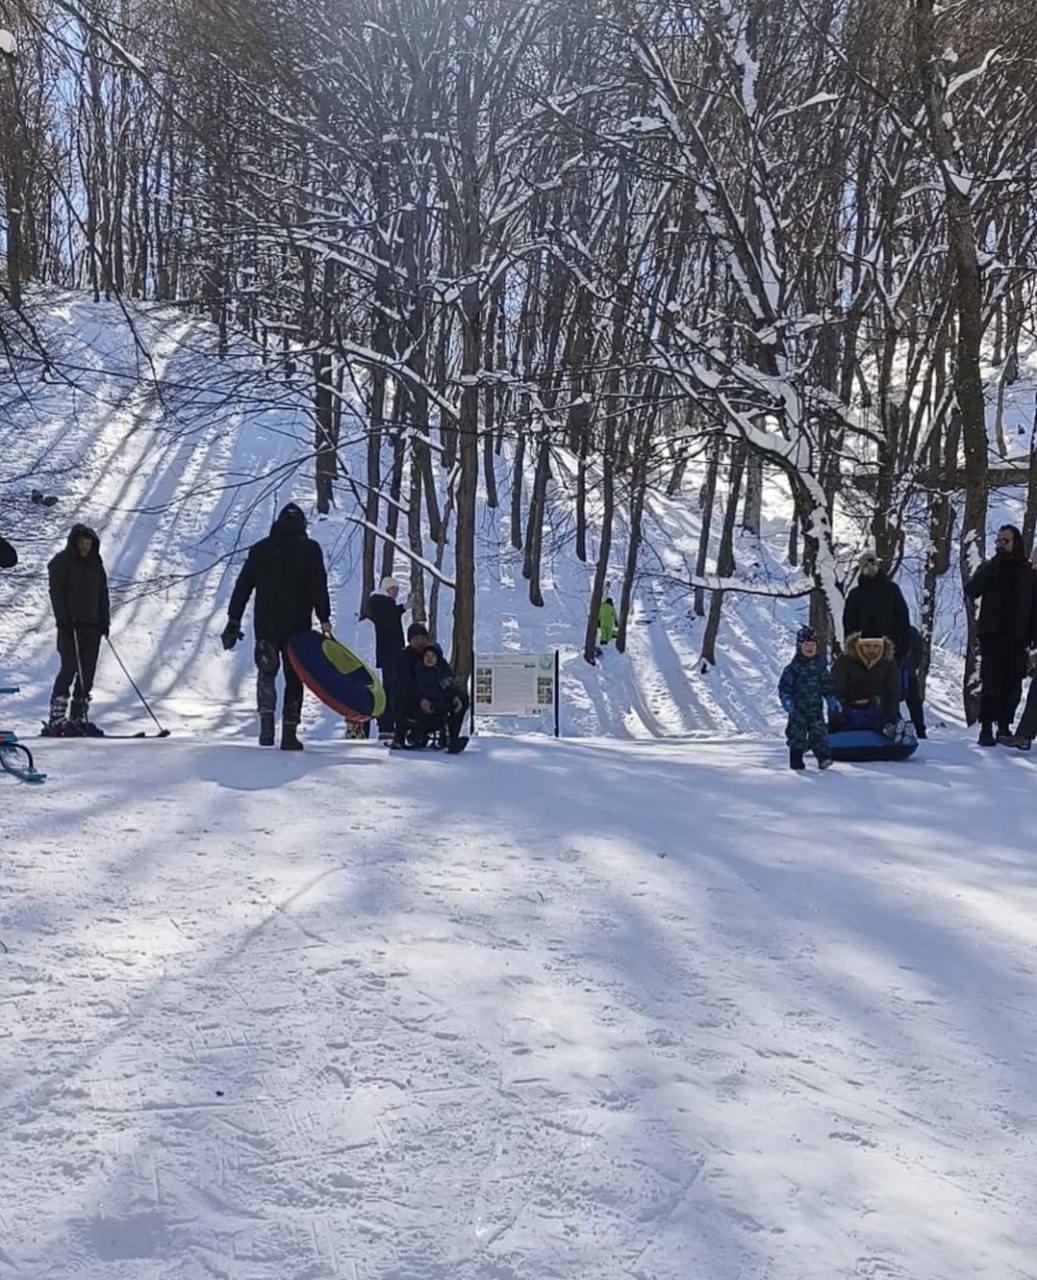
x=866, y=679
x=382, y=608
x=876, y=607
x=8, y=555
x=1026, y=729
x=1006, y=588
x=805, y=683
x=286, y=571
x=914, y=660
x=82, y=612
x=412, y=692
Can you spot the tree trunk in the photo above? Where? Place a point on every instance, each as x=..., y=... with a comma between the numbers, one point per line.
x=725, y=554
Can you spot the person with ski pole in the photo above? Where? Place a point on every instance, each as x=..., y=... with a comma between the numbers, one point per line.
x=82, y=613
x=286, y=571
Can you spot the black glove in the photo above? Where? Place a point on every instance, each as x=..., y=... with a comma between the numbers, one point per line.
x=231, y=634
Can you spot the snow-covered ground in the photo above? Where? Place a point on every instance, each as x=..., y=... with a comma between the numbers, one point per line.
x=635, y=1005
x=576, y=1009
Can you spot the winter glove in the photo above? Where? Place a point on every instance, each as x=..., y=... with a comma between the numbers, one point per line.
x=787, y=705
x=834, y=705
x=325, y=627
x=231, y=634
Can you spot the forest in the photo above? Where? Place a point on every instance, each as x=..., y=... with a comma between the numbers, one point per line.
x=563, y=255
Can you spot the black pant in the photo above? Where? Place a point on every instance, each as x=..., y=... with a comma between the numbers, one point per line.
x=915, y=703
x=1027, y=727
x=386, y=722
x=453, y=719
x=269, y=657
x=1001, y=671
x=72, y=667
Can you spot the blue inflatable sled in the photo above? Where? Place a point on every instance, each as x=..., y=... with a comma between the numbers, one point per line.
x=859, y=742
x=334, y=674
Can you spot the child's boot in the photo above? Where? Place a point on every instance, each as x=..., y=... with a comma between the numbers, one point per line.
x=796, y=760
x=824, y=762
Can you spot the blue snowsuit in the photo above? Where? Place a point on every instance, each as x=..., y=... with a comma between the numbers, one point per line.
x=804, y=687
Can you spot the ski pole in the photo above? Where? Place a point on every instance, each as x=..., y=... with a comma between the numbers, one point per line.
x=162, y=733
x=79, y=662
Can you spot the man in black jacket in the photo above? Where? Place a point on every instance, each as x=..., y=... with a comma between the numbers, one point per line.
x=79, y=598
x=1006, y=588
x=409, y=703
x=382, y=607
x=286, y=571
x=876, y=607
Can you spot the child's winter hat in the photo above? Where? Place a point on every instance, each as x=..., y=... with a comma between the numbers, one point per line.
x=806, y=633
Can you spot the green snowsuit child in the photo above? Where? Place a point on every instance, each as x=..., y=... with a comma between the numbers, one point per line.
x=805, y=684
x=606, y=621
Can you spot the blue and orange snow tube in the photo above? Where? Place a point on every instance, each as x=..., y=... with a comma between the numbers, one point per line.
x=334, y=674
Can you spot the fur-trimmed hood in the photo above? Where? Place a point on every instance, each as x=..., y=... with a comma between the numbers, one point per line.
x=853, y=650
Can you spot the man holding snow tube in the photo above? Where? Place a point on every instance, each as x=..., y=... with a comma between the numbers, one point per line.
x=286, y=571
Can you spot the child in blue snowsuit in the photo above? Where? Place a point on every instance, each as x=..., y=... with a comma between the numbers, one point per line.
x=805, y=685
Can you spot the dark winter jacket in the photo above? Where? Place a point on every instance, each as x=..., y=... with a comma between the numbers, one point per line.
x=914, y=659
x=1007, y=593
x=387, y=617
x=436, y=684
x=286, y=571
x=405, y=696
x=79, y=584
x=8, y=555
x=876, y=607
x=861, y=685
x=806, y=682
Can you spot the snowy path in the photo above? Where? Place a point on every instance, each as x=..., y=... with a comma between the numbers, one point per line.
x=603, y=1010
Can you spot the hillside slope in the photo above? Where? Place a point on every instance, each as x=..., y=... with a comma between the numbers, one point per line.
x=180, y=459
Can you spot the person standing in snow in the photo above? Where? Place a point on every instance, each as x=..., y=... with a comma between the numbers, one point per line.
x=805, y=685
x=876, y=607
x=382, y=608
x=286, y=571
x=606, y=621
x=913, y=662
x=8, y=555
x=1006, y=588
x=1026, y=730
x=82, y=612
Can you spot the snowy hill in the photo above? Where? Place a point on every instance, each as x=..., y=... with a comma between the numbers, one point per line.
x=639, y=1005
x=180, y=459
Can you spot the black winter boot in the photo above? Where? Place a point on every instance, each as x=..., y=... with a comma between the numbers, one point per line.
x=57, y=724
x=289, y=737
x=266, y=728
x=986, y=736
x=80, y=718
x=796, y=760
